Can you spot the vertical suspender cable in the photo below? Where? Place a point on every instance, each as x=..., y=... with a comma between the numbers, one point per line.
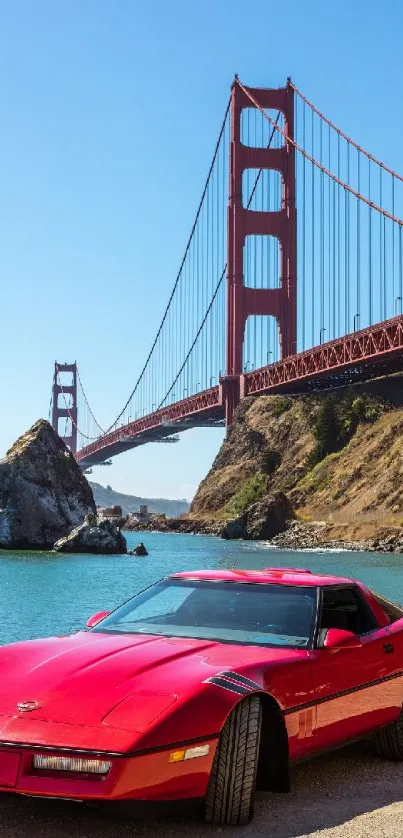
x=380, y=249
x=313, y=238
x=304, y=210
x=393, y=239
x=347, y=298
x=338, y=240
x=330, y=275
x=321, y=235
x=400, y=270
x=358, y=292
x=370, y=245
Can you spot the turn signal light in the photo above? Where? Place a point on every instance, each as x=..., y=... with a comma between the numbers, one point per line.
x=77, y=765
x=189, y=753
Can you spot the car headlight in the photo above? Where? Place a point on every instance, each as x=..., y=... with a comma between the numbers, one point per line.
x=189, y=753
x=74, y=764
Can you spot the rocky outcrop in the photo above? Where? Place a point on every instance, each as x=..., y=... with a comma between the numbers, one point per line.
x=151, y=523
x=234, y=528
x=43, y=493
x=268, y=517
x=262, y=520
x=337, y=457
x=93, y=537
x=159, y=523
x=140, y=550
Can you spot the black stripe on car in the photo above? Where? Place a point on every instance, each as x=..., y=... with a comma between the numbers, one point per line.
x=227, y=685
x=241, y=679
x=342, y=693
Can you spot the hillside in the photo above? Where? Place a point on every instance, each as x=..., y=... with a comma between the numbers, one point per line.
x=338, y=458
x=106, y=496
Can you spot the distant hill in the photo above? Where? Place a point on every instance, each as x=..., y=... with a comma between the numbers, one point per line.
x=106, y=496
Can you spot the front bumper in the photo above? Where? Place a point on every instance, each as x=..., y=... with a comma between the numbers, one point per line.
x=145, y=777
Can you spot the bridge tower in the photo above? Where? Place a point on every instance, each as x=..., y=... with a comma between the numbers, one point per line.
x=64, y=404
x=243, y=301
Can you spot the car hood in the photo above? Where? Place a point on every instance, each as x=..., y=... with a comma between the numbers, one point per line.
x=84, y=679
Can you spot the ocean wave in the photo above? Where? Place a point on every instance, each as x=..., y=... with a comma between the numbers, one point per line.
x=266, y=545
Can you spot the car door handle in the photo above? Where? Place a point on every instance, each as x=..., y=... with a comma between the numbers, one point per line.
x=388, y=648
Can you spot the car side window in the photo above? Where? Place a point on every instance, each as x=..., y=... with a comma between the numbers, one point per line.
x=343, y=608
x=393, y=612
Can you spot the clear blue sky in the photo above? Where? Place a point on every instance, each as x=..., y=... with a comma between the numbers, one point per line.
x=109, y=113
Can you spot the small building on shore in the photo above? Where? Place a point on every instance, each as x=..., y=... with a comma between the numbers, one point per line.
x=109, y=513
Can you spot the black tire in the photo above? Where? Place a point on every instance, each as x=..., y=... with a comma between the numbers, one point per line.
x=389, y=740
x=229, y=798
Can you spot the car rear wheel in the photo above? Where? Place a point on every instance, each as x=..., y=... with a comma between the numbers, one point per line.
x=229, y=798
x=389, y=740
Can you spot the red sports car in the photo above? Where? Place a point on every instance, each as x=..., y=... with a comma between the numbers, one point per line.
x=204, y=686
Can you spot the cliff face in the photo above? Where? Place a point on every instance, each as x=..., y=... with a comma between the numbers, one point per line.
x=337, y=457
x=43, y=493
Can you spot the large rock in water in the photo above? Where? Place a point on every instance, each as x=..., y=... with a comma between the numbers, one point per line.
x=93, y=537
x=43, y=493
x=262, y=520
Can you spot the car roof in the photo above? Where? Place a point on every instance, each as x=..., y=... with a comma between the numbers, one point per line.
x=268, y=575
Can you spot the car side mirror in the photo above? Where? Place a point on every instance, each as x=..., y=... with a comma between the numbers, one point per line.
x=96, y=618
x=341, y=639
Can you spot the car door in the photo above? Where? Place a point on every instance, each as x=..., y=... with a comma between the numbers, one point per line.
x=357, y=688
x=394, y=615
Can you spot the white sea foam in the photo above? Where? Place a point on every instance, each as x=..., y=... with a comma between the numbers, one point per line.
x=266, y=545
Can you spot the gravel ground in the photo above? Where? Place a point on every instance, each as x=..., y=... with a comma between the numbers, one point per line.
x=351, y=794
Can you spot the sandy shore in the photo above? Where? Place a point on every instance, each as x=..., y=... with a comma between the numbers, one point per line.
x=351, y=794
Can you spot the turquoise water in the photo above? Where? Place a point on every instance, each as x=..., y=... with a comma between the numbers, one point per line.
x=44, y=593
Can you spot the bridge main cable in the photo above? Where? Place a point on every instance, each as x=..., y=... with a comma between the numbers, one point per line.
x=345, y=136
x=320, y=166
x=192, y=232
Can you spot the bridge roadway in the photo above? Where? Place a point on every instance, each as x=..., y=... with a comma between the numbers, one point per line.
x=368, y=353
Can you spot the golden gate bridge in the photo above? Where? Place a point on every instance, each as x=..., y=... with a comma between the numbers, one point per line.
x=291, y=280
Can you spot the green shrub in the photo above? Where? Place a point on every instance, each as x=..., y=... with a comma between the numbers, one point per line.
x=317, y=478
x=249, y=492
x=281, y=405
x=270, y=460
x=337, y=421
x=326, y=431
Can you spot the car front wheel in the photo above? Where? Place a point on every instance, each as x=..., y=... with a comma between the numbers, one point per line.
x=229, y=798
x=389, y=740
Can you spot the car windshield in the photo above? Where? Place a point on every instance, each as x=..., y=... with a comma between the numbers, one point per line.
x=231, y=612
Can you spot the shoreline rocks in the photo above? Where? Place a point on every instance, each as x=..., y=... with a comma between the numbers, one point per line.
x=93, y=537
x=324, y=535
x=159, y=523
x=262, y=520
x=295, y=535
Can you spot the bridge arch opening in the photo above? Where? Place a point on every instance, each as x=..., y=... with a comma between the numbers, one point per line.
x=65, y=427
x=262, y=262
x=262, y=190
x=261, y=344
x=65, y=401
x=256, y=129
